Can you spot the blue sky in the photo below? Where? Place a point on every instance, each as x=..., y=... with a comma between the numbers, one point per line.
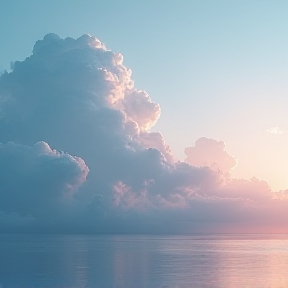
x=217, y=68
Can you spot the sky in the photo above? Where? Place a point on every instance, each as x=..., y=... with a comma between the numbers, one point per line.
x=214, y=70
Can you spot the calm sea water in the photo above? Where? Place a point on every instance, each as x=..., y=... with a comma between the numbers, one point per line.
x=80, y=261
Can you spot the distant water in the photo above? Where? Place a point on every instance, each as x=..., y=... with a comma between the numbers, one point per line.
x=78, y=261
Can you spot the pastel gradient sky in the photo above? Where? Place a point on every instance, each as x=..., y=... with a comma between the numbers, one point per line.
x=218, y=70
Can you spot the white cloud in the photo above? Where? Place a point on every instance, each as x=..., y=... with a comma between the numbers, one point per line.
x=275, y=130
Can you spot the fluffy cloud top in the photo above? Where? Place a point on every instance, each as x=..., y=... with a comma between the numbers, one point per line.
x=211, y=153
x=78, y=96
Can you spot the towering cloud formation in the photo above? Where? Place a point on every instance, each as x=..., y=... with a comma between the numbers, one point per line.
x=77, y=95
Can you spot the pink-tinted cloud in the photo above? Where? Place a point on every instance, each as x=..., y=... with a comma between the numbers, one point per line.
x=157, y=141
x=79, y=97
x=211, y=153
x=139, y=107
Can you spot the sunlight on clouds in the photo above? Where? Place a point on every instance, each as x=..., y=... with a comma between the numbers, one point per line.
x=77, y=96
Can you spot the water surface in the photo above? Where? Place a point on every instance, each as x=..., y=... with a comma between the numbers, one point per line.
x=80, y=261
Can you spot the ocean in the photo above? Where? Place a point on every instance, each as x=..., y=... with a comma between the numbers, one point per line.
x=133, y=261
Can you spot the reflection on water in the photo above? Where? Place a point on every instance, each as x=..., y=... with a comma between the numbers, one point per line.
x=143, y=261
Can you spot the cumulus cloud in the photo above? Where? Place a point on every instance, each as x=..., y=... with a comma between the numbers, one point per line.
x=79, y=97
x=139, y=107
x=275, y=130
x=157, y=141
x=35, y=179
x=211, y=153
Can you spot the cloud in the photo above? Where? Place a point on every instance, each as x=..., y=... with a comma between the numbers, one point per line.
x=211, y=153
x=157, y=141
x=139, y=107
x=37, y=179
x=275, y=130
x=79, y=97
